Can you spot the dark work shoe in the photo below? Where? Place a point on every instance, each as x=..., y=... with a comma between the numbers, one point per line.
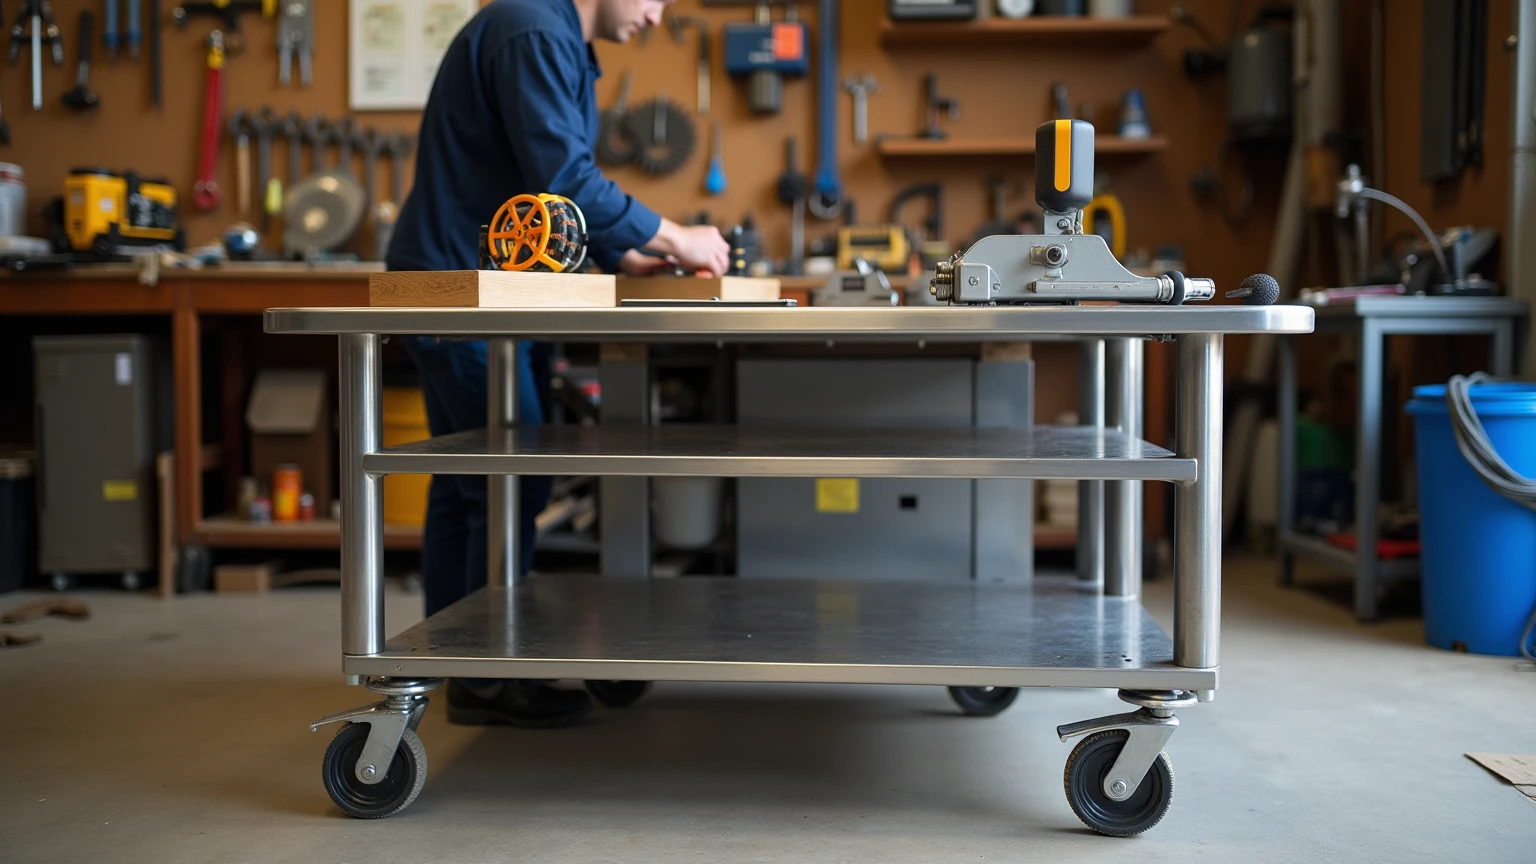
x=528, y=704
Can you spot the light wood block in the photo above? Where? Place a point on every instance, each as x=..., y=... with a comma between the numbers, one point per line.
x=734, y=288
x=492, y=289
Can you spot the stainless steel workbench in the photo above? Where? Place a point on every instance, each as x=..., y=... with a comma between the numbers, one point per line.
x=1371, y=319
x=1060, y=631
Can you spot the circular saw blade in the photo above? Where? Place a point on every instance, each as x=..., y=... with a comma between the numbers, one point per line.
x=663, y=134
x=321, y=213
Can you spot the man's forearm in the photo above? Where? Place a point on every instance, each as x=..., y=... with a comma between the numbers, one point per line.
x=667, y=239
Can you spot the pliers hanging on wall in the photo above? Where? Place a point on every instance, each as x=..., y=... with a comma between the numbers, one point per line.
x=44, y=30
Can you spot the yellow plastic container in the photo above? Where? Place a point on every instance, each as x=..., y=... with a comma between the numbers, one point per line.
x=405, y=421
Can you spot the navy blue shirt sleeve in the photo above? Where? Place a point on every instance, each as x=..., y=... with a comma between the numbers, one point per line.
x=531, y=79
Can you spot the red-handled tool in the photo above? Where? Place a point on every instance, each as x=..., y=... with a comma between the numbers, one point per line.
x=205, y=193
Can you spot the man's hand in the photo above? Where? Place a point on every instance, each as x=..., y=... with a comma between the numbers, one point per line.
x=696, y=247
x=636, y=263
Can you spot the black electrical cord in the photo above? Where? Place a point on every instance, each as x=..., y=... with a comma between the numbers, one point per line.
x=1472, y=441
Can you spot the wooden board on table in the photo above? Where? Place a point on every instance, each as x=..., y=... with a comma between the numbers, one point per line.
x=492, y=289
x=733, y=288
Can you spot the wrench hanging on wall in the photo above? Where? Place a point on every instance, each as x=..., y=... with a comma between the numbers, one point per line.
x=826, y=200
x=205, y=193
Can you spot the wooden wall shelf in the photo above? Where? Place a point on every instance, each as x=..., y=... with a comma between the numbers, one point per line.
x=1107, y=145
x=1048, y=30
x=232, y=532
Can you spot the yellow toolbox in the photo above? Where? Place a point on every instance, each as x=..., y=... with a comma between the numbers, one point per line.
x=103, y=210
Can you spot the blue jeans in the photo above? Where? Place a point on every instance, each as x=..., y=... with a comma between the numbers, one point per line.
x=453, y=544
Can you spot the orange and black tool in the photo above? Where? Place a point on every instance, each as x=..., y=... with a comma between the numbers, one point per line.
x=542, y=233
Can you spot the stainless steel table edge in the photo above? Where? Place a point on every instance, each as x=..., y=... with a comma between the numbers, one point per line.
x=1159, y=677
x=984, y=324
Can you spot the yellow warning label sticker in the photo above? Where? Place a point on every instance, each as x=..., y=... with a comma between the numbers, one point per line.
x=120, y=490
x=837, y=495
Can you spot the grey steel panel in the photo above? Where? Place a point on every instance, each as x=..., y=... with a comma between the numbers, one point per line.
x=780, y=531
x=1052, y=633
x=728, y=451
x=1003, y=512
x=624, y=503
x=1321, y=551
x=904, y=529
x=838, y=392
x=866, y=324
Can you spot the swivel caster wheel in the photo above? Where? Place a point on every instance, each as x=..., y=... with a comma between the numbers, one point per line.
x=130, y=580
x=983, y=701
x=61, y=581
x=401, y=783
x=1083, y=778
x=618, y=694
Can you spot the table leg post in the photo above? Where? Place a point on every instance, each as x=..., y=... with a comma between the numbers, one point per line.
x=501, y=489
x=1368, y=468
x=1197, y=582
x=1503, y=361
x=362, y=512
x=186, y=345
x=1123, y=498
x=1090, y=493
x=1285, y=520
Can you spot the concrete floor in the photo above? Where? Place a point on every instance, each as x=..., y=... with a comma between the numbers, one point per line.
x=170, y=732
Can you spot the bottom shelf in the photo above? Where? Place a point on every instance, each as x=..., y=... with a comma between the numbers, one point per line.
x=1056, y=632
x=1320, y=551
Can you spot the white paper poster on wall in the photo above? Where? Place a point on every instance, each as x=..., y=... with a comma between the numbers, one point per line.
x=395, y=47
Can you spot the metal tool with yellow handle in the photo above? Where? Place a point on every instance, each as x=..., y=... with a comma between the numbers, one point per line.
x=1063, y=264
x=541, y=233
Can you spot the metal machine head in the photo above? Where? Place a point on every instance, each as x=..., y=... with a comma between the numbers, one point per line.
x=1062, y=264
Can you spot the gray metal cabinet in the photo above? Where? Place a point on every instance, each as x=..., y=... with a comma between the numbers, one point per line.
x=96, y=435
x=871, y=528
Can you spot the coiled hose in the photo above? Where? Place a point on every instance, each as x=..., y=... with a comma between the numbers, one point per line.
x=1472, y=441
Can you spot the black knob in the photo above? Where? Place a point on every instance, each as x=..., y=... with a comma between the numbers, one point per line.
x=1260, y=289
x=1064, y=165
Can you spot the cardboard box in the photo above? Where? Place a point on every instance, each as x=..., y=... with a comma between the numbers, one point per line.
x=244, y=578
x=289, y=417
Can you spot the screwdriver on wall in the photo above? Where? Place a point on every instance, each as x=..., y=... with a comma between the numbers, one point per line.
x=133, y=33
x=714, y=182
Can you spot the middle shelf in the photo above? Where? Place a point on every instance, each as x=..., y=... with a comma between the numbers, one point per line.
x=689, y=450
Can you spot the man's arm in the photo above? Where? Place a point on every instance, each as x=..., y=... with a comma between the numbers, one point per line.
x=531, y=78
x=531, y=81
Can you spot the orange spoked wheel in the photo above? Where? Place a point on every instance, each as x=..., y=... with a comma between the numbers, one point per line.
x=540, y=233
x=519, y=233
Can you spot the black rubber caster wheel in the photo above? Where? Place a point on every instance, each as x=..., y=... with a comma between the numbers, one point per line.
x=61, y=581
x=131, y=580
x=402, y=782
x=983, y=701
x=618, y=694
x=1084, y=777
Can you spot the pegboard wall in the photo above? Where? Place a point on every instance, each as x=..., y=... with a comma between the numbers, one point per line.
x=126, y=131
x=1002, y=91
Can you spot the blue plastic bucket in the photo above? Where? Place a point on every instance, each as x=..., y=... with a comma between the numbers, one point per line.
x=1479, y=548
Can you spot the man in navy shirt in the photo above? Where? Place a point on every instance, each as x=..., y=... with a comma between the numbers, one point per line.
x=513, y=111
